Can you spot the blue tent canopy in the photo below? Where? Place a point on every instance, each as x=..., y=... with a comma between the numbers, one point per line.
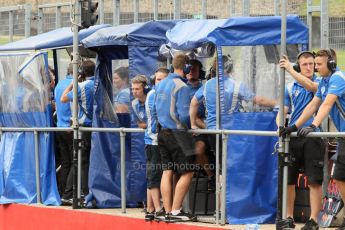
x=53, y=39
x=139, y=43
x=150, y=33
x=237, y=31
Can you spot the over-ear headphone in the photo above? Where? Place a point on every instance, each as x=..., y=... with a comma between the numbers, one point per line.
x=227, y=63
x=296, y=66
x=331, y=63
x=186, y=69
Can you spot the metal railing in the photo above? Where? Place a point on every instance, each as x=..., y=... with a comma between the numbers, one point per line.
x=123, y=131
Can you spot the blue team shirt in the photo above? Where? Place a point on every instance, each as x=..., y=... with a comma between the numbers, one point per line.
x=122, y=97
x=63, y=110
x=85, y=101
x=208, y=94
x=334, y=84
x=138, y=111
x=151, y=129
x=296, y=98
x=172, y=102
x=201, y=108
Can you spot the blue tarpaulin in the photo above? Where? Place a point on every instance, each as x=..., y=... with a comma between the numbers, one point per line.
x=53, y=39
x=237, y=31
x=24, y=85
x=251, y=190
x=139, y=43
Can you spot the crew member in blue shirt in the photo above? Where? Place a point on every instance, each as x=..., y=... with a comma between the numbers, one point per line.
x=306, y=153
x=64, y=139
x=140, y=89
x=328, y=100
x=172, y=106
x=153, y=162
x=121, y=92
x=85, y=101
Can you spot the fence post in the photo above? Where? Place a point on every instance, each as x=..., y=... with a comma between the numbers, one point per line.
x=37, y=166
x=123, y=170
x=245, y=8
x=155, y=9
x=40, y=21
x=58, y=17
x=101, y=11
x=136, y=10
x=116, y=12
x=27, y=20
x=177, y=9
x=276, y=7
x=204, y=9
x=11, y=25
x=223, y=189
x=324, y=24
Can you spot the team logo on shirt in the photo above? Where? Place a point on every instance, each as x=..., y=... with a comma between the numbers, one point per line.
x=141, y=115
x=296, y=93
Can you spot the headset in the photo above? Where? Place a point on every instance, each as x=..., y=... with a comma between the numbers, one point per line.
x=186, y=69
x=331, y=63
x=296, y=66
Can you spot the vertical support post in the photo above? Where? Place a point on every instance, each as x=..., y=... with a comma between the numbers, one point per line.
x=37, y=167
x=232, y=8
x=204, y=9
x=40, y=21
x=123, y=170
x=224, y=171
x=324, y=24
x=177, y=9
x=245, y=8
x=136, y=10
x=10, y=25
x=75, y=61
x=58, y=23
x=27, y=20
x=310, y=22
x=276, y=7
x=79, y=166
x=282, y=168
x=116, y=12
x=155, y=9
x=101, y=11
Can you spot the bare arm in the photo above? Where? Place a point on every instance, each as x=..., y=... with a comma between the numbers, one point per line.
x=307, y=83
x=286, y=110
x=193, y=112
x=325, y=108
x=264, y=101
x=200, y=123
x=121, y=108
x=308, y=111
x=64, y=98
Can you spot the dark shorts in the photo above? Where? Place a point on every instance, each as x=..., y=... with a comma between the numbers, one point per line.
x=338, y=171
x=307, y=155
x=176, y=150
x=153, y=166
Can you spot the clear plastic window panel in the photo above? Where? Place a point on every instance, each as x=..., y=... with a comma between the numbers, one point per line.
x=121, y=86
x=24, y=83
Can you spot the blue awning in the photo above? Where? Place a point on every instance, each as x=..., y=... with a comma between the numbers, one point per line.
x=53, y=39
x=237, y=31
x=150, y=33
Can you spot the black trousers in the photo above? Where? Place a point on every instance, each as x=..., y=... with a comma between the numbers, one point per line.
x=85, y=160
x=64, y=146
